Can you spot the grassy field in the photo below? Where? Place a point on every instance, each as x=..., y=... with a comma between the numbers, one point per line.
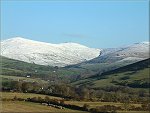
x=11, y=95
x=23, y=106
x=95, y=104
x=15, y=78
x=17, y=106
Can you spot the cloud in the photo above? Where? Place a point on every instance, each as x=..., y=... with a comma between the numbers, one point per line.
x=74, y=35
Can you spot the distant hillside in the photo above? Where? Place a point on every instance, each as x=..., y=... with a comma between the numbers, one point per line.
x=18, y=68
x=22, y=69
x=132, y=67
x=135, y=75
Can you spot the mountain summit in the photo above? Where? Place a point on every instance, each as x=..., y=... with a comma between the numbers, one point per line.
x=42, y=53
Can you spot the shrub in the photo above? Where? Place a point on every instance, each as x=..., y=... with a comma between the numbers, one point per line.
x=86, y=107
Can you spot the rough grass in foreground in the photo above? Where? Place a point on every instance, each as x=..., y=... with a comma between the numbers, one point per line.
x=17, y=106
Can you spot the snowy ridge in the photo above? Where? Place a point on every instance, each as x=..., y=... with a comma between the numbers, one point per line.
x=137, y=50
x=45, y=53
x=130, y=53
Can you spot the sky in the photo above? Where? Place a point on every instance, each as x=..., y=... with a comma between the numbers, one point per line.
x=97, y=23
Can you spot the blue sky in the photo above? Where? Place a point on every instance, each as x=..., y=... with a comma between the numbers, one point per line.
x=98, y=24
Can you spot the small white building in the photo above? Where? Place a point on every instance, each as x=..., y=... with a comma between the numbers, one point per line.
x=28, y=76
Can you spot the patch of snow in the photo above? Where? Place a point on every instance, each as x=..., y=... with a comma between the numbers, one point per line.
x=131, y=59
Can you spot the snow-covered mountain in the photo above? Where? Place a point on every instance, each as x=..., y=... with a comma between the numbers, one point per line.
x=69, y=53
x=45, y=53
x=134, y=52
x=139, y=50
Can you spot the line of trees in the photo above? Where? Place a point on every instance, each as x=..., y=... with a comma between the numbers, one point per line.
x=107, y=94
